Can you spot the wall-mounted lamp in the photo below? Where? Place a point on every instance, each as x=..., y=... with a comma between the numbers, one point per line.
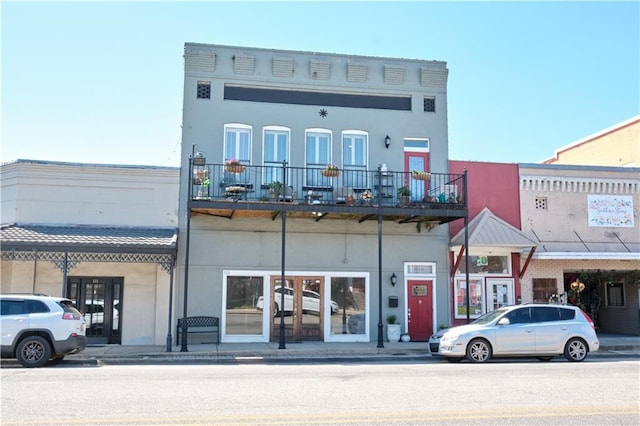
x=394, y=279
x=387, y=141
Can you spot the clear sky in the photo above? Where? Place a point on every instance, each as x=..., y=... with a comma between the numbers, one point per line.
x=102, y=82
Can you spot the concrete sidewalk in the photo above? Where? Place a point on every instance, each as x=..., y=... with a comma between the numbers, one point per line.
x=610, y=345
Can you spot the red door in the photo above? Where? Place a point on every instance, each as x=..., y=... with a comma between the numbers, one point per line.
x=420, y=313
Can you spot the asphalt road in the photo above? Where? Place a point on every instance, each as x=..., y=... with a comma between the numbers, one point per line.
x=510, y=392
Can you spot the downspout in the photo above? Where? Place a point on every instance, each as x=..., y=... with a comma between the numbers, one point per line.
x=65, y=268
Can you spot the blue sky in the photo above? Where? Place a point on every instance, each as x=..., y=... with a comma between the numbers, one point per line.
x=102, y=82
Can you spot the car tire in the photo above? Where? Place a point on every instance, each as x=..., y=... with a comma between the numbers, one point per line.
x=276, y=310
x=453, y=358
x=545, y=358
x=576, y=350
x=479, y=350
x=33, y=351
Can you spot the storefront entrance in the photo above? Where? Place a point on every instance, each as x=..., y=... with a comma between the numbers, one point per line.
x=99, y=299
x=301, y=304
x=420, y=310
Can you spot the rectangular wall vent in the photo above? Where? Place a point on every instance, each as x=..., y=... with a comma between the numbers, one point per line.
x=243, y=64
x=319, y=70
x=199, y=62
x=356, y=73
x=433, y=78
x=393, y=74
x=282, y=67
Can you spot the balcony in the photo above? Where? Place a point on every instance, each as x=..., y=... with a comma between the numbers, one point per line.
x=314, y=192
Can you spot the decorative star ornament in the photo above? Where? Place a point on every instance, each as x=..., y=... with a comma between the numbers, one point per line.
x=323, y=113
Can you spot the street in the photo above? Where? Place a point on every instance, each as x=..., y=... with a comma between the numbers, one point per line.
x=527, y=392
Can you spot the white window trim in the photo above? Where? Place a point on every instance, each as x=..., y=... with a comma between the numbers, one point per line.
x=355, y=133
x=238, y=126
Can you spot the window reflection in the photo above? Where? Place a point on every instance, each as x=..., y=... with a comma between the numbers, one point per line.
x=350, y=296
x=242, y=314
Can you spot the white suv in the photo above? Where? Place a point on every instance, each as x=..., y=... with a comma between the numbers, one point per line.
x=37, y=328
x=539, y=330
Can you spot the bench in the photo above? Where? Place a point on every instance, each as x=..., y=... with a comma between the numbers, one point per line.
x=204, y=325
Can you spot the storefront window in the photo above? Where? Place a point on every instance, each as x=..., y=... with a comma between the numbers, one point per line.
x=475, y=298
x=242, y=315
x=350, y=296
x=495, y=265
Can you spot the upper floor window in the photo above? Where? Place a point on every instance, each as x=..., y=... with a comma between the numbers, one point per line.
x=318, y=155
x=237, y=143
x=275, y=150
x=354, y=158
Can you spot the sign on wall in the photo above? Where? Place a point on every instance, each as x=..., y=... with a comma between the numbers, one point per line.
x=610, y=211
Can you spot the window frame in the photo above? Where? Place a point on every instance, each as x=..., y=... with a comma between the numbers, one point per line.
x=313, y=176
x=607, y=295
x=238, y=130
x=272, y=169
x=355, y=173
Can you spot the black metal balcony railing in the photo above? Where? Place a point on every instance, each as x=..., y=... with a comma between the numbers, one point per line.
x=316, y=186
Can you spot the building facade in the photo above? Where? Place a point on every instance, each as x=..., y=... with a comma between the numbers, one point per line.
x=103, y=235
x=585, y=222
x=616, y=146
x=279, y=245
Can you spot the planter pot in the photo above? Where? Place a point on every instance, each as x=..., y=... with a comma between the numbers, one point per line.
x=393, y=332
x=421, y=175
x=236, y=168
x=405, y=338
x=330, y=173
x=404, y=200
x=349, y=200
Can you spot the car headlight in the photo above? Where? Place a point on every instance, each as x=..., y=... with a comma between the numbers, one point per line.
x=449, y=338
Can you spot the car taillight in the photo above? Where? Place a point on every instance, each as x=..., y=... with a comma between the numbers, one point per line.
x=70, y=316
x=588, y=319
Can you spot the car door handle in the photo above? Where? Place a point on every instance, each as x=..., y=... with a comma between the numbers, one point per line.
x=529, y=331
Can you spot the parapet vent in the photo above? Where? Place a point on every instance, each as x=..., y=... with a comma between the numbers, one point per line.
x=356, y=73
x=282, y=67
x=393, y=74
x=319, y=70
x=433, y=77
x=199, y=61
x=243, y=64
x=429, y=104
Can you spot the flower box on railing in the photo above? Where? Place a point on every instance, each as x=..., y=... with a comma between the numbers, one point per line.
x=417, y=175
x=330, y=171
x=234, y=168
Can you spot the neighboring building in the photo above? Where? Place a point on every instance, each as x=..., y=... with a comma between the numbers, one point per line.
x=102, y=235
x=585, y=221
x=281, y=117
x=495, y=242
x=617, y=146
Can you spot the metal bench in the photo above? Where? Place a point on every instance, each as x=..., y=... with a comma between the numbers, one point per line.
x=208, y=325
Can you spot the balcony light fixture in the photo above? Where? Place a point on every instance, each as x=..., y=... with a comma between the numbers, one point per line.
x=387, y=141
x=394, y=279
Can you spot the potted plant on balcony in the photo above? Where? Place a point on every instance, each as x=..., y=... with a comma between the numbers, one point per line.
x=394, y=330
x=274, y=190
x=233, y=165
x=330, y=170
x=404, y=195
x=366, y=197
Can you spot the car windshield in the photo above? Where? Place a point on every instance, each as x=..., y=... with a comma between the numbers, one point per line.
x=489, y=316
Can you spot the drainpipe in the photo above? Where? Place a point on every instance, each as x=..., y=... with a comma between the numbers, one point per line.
x=466, y=243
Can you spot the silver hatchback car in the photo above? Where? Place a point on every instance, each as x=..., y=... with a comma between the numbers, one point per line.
x=539, y=330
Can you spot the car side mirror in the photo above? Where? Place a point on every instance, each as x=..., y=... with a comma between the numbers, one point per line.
x=504, y=321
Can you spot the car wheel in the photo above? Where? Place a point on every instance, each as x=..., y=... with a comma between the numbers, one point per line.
x=33, y=351
x=545, y=358
x=575, y=350
x=453, y=359
x=479, y=350
x=275, y=309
